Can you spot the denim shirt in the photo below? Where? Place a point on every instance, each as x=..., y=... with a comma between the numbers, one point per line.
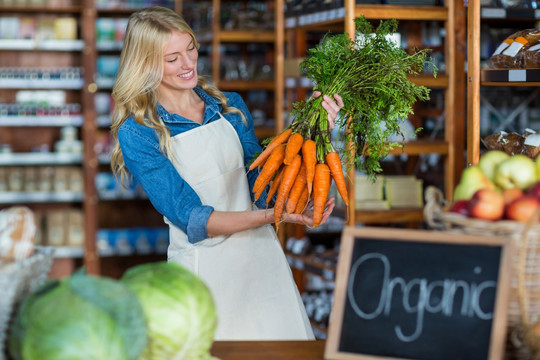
x=173, y=197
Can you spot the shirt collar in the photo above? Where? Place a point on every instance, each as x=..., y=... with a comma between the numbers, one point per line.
x=212, y=107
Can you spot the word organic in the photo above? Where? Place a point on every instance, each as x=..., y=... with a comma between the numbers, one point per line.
x=418, y=295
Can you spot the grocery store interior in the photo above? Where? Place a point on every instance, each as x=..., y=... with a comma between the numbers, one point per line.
x=58, y=62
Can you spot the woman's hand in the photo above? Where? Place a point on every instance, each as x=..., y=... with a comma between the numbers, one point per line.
x=332, y=106
x=306, y=218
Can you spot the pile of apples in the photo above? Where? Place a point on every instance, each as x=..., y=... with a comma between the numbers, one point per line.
x=500, y=186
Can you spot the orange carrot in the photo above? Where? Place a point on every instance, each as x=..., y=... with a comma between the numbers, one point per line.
x=321, y=188
x=289, y=175
x=296, y=190
x=274, y=186
x=334, y=163
x=302, y=202
x=293, y=147
x=265, y=154
x=309, y=156
x=270, y=167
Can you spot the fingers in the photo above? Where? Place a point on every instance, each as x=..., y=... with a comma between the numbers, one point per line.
x=339, y=100
x=332, y=107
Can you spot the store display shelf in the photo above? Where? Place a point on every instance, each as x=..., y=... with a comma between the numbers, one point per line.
x=102, y=11
x=237, y=36
x=323, y=19
x=104, y=120
x=228, y=85
x=69, y=252
x=264, y=132
x=38, y=121
x=103, y=45
x=51, y=45
x=63, y=9
x=512, y=13
x=104, y=159
x=38, y=158
x=74, y=84
x=254, y=35
x=18, y=197
x=105, y=83
x=309, y=264
x=427, y=80
x=419, y=147
x=389, y=216
x=74, y=252
x=516, y=77
x=120, y=196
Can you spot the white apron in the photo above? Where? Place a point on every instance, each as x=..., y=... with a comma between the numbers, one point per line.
x=247, y=272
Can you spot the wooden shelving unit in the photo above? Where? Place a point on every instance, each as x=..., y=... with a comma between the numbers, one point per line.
x=450, y=81
x=219, y=36
x=100, y=211
x=477, y=77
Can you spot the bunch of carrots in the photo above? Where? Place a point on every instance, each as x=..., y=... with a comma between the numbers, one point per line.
x=296, y=168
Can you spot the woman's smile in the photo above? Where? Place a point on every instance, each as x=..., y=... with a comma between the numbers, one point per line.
x=188, y=75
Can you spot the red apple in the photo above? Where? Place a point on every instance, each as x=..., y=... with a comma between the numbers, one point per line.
x=523, y=208
x=511, y=194
x=460, y=207
x=534, y=190
x=487, y=204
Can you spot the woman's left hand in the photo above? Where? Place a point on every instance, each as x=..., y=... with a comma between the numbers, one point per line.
x=332, y=106
x=306, y=217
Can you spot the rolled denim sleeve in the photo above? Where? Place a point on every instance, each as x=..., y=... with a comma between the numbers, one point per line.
x=250, y=143
x=171, y=196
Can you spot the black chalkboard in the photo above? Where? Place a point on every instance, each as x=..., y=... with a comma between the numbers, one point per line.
x=419, y=294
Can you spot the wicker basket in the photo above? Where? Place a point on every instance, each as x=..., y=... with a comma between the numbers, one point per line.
x=18, y=279
x=524, y=298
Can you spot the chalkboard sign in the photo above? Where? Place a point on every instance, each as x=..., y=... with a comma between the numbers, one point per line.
x=419, y=294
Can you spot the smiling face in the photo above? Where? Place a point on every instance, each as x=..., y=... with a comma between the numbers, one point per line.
x=180, y=63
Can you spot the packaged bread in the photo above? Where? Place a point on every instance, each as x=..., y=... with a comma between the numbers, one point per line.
x=513, y=143
x=531, y=146
x=495, y=141
x=17, y=233
x=515, y=51
x=531, y=57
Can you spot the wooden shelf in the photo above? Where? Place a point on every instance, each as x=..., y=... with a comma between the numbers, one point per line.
x=246, y=85
x=427, y=80
x=478, y=77
x=41, y=9
x=389, y=216
x=451, y=81
x=402, y=12
x=29, y=197
x=329, y=19
x=264, y=132
x=306, y=263
x=247, y=36
x=422, y=147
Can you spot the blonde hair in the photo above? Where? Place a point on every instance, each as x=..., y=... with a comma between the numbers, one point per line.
x=140, y=72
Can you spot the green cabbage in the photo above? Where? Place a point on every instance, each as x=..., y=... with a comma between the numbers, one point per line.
x=179, y=309
x=79, y=317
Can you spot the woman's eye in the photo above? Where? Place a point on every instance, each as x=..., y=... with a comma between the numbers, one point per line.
x=171, y=60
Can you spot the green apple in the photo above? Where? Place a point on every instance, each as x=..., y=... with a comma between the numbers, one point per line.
x=472, y=180
x=516, y=171
x=538, y=166
x=489, y=161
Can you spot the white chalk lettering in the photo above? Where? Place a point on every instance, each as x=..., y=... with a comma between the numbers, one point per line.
x=418, y=295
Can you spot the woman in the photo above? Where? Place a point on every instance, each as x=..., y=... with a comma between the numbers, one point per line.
x=188, y=144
